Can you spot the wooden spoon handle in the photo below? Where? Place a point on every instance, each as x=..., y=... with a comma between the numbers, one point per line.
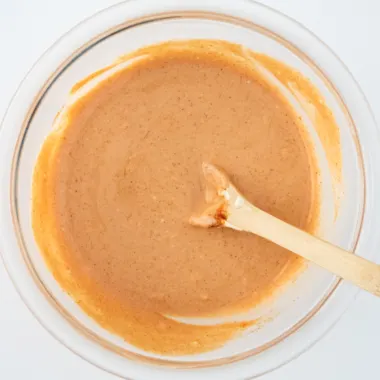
x=355, y=269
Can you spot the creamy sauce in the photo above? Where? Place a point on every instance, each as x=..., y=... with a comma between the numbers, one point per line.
x=119, y=176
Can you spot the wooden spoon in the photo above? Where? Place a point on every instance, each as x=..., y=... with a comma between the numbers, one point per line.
x=227, y=207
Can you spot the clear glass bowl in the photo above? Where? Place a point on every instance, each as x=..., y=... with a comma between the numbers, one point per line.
x=298, y=316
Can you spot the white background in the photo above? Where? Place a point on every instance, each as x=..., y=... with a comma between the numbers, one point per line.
x=350, y=27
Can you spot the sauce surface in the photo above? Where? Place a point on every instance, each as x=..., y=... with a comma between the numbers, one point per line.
x=120, y=174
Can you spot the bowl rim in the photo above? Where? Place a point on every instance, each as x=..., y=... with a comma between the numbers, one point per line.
x=90, y=26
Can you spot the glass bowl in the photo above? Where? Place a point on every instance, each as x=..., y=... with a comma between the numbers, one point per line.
x=297, y=316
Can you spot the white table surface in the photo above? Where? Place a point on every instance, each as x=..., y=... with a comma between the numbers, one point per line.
x=350, y=27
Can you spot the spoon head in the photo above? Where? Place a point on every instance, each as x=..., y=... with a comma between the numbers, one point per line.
x=215, y=214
